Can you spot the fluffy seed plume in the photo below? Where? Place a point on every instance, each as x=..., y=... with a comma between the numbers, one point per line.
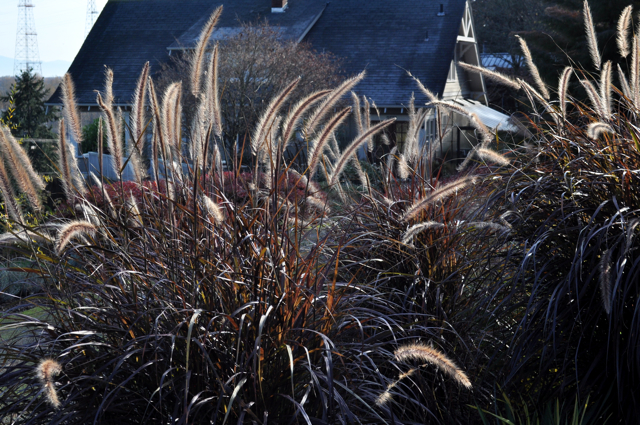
x=605, y=280
x=47, y=369
x=487, y=225
x=624, y=23
x=533, y=69
x=430, y=96
x=596, y=129
x=386, y=396
x=138, y=122
x=563, y=85
x=591, y=36
x=416, y=229
x=535, y=96
x=12, y=207
x=266, y=121
x=492, y=156
x=213, y=209
x=353, y=147
x=113, y=134
x=70, y=107
x=475, y=121
x=329, y=102
x=594, y=97
x=298, y=110
x=63, y=161
x=492, y=75
x=421, y=352
x=317, y=146
x=605, y=89
x=201, y=47
x=436, y=195
x=72, y=229
x=626, y=90
x=212, y=92
x=20, y=167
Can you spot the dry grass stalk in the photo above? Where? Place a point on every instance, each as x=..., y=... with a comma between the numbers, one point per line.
x=138, y=123
x=47, y=369
x=353, y=147
x=212, y=92
x=430, y=96
x=421, y=352
x=329, y=102
x=16, y=157
x=113, y=135
x=416, y=229
x=624, y=24
x=317, y=146
x=436, y=195
x=605, y=89
x=63, y=158
x=492, y=75
x=12, y=207
x=563, y=86
x=403, y=167
x=595, y=98
x=635, y=70
x=72, y=229
x=199, y=52
x=266, y=120
x=596, y=129
x=532, y=93
x=70, y=108
x=157, y=124
x=386, y=396
x=591, y=36
x=291, y=121
x=105, y=194
x=487, y=225
x=492, y=156
x=624, y=83
x=213, y=209
x=474, y=120
x=605, y=280
x=533, y=69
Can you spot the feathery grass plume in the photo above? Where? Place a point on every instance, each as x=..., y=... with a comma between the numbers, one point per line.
x=436, y=195
x=416, y=118
x=136, y=216
x=16, y=157
x=47, y=369
x=492, y=75
x=487, y=225
x=624, y=83
x=391, y=156
x=492, y=156
x=22, y=157
x=533, y=69
x=403, y=167
x=291, y=121
x=430, y=96
x=596, y=129
x=532, y=93
x=157, y=123
x=591, y=36
x=624, y=23
x=317, y=146
x=113, y=135
x=605, y=280
x=386, y=396
x=417, y=229
x=168, y=117
x=177, y=120
x=563, y=85
x=605, y=89
x=353, y=147
x=63, y=158
x=137, y=109
x=366, y=122
x=11, y=205
x=264, y=125
x=70, y=108
x=104, y=193
x=474, y=120
x=199, y=52
x=213, y=209
x=329, y=102
x=212, y=92
x=421, y=352
x=72, y=229
x=595, y=98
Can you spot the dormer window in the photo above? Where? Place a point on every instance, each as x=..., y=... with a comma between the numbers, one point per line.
x=441, y=13
x=278, y=6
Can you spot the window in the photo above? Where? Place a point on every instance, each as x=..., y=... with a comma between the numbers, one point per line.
x=401, y=134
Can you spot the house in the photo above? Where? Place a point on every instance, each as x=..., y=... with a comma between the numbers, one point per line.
x=387, y=38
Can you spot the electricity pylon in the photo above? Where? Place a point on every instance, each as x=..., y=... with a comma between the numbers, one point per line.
x=27, y=56
x=92, y=15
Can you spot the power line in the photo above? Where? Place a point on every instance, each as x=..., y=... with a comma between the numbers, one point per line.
x=27, y=56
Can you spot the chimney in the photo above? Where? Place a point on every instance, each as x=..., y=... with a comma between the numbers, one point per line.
x=278, y=6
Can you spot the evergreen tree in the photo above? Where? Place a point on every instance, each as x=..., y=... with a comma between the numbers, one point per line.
x=28, y=93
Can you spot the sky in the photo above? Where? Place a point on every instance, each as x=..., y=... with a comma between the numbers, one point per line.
x=60, y=25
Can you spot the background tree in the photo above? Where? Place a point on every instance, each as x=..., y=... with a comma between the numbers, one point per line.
x=90, y=137
x=256, y=64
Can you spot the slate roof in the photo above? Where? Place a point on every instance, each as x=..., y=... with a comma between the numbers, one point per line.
x=126, y=35
x=385, y=37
